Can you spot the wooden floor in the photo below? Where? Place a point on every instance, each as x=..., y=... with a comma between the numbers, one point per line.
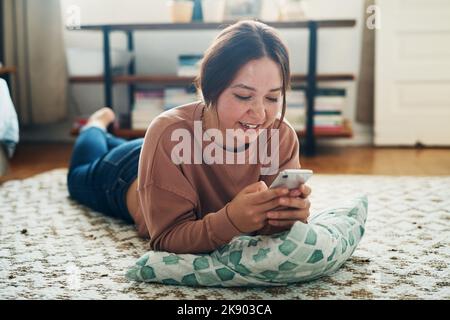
x=34, y=158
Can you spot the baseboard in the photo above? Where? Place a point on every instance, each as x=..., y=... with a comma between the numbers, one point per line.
x=4, y=161
x=362, y=136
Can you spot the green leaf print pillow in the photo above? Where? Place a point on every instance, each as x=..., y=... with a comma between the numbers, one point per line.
x=303, y=253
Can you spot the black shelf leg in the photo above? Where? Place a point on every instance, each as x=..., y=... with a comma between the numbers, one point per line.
x=131, y=71
x=107, y=77
x=107, y=68
x=311, y=86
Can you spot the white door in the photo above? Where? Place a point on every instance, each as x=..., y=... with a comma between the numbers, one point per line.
x=412, y=73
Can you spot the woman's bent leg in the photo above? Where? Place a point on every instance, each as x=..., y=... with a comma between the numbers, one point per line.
x=117, y=171
x=113, y=141
x=90, y=145
x=99, y=176
x=94, y=141
x=84, y=182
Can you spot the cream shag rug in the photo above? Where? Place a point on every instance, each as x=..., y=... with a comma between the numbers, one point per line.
x=53, y=248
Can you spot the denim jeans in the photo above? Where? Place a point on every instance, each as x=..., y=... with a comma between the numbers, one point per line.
x=101, y=170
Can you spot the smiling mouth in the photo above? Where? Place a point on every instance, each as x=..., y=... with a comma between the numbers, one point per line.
x=249, y=125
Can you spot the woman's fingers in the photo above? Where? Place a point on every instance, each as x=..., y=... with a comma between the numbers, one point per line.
x=283, y=223
x=255, y=187
x=298, y=203
x=270, y=205
x=304, y=191
x=280, y=201
x=295, y=193
x=279, y=223
x=301, y=215
x=268, y=195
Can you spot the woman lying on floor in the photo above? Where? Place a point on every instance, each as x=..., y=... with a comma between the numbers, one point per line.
x=194, y=203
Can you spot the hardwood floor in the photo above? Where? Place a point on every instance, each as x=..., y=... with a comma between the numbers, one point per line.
x=34, y=158
x=380, y=161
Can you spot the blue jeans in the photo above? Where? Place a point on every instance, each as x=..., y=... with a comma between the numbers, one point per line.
x=101, y=170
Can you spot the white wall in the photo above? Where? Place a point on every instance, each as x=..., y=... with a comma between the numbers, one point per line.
x=339, y=49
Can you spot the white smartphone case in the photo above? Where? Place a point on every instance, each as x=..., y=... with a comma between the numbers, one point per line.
x=291, y=178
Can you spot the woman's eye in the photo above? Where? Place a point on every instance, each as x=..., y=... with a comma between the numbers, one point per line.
x=242, y=97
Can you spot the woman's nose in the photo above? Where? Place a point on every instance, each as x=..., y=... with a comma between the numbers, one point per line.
x=258, y=112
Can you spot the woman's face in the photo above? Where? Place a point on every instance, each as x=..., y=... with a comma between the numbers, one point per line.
x=253, y=99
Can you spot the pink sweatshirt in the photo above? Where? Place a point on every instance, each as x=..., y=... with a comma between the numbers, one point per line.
x=183, y=207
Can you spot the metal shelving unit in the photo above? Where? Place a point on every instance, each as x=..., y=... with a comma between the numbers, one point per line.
x=311, y=78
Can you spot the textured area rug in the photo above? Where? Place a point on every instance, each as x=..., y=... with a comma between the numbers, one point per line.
x=53, y=248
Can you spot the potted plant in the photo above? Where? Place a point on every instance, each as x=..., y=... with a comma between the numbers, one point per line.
x=291, y=10
x=181, y=10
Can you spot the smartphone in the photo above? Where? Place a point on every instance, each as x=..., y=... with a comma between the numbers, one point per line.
x=291, y=178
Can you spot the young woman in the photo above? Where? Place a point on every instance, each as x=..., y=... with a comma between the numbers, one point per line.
x=196, y=206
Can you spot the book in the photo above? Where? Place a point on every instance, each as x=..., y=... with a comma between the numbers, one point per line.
x=189, y=65
x=151, y=103
x=147, y=106
x=330, y=99
x=328, y=106
x=174, y=97
x=328, y=120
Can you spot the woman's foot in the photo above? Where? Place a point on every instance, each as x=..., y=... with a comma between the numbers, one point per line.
x=101, y=118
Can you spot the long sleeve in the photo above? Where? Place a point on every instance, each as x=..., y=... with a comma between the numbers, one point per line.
x=173, y=225
x=169, y=202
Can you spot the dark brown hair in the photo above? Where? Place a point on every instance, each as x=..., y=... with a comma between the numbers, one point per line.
x=235, y=46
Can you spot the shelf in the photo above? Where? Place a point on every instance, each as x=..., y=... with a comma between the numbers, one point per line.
x=108, y=80
x=168, y=79
x=157, y=79
x=325, y=77
x=130, y=133
x=345, y=132
x=7, y=70
x=122, y=133
x=215, y=25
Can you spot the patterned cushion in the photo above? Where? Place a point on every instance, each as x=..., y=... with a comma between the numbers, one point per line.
x=303, y=253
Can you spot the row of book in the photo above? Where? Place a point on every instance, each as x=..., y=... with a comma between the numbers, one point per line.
x=328, y=106
x=148, y=104
x=189, y=65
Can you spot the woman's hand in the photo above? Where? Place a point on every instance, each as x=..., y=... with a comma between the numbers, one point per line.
x=299, y=206
x=248, y=210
